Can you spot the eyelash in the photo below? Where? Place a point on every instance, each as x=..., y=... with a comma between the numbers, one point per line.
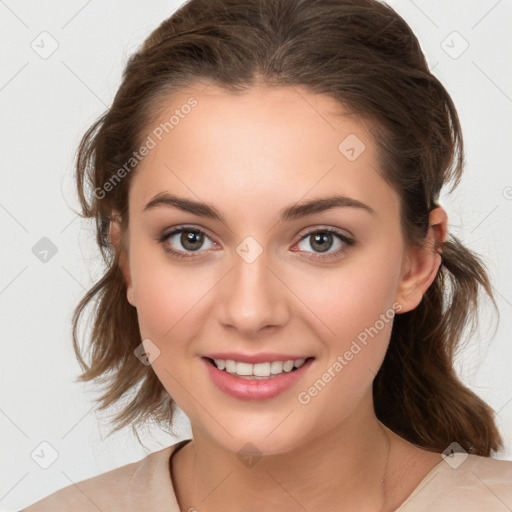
x=183, y=255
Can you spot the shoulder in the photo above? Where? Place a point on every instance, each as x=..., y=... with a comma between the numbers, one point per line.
x=465, y=483
x=142, y=485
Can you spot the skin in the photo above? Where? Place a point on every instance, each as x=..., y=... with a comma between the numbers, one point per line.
x=250, y=155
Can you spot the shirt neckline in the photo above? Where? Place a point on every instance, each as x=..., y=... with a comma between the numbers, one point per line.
x=424, y=481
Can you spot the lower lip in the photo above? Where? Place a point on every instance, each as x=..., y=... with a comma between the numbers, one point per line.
x=257, y=389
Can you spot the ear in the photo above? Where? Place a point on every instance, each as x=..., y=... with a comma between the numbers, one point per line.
x=421, y=263
x=115, y=234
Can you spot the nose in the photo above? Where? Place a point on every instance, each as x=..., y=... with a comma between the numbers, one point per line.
x=252, y=299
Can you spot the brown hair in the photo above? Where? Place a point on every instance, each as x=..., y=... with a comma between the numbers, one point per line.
x=365, y=56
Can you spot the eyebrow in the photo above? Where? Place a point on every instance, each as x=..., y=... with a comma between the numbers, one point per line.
x=293, y=212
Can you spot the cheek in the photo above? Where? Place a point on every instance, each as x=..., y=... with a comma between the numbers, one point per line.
x=352, y=298
x=164, y=305
x=169, y=300
x=355, y=306
x=164, y=292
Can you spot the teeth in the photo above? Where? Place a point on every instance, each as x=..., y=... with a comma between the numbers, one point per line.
x=244, y=369
x=258, y=369
x=221, y=364
x=288, y=365
x=276, y=367
x=261, y=369
x=230, y=366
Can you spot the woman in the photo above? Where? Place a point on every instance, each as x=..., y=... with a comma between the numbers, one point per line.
x=266, y=192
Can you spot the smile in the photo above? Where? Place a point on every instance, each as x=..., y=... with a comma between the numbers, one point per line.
x=258, y=370
x=256, y=381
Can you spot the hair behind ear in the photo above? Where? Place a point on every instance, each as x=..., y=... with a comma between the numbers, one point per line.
x=417, y=392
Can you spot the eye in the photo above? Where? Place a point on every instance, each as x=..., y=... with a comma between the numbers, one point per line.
x=182, y=240
x=328, y=241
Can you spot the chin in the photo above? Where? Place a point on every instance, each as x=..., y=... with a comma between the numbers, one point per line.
x=263, y=439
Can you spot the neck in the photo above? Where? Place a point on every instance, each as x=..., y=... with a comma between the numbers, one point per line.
x=342, y=469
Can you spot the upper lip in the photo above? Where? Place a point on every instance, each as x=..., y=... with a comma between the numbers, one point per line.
x=262, y=357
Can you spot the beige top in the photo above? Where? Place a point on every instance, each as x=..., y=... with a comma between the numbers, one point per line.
x=478, y=484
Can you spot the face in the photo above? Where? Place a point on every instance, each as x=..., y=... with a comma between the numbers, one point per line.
x=225, y=262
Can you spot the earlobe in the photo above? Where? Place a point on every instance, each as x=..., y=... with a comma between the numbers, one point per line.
x=421, y=263
x=115, y=234
x=129, y=295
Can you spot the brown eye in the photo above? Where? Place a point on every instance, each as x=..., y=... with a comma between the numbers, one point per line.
x=321, y=241
x=191, y=240
x=183, y=240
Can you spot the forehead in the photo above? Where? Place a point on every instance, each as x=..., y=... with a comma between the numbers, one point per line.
x=270, y=144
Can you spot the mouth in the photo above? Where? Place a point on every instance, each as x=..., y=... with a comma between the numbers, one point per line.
x=258, y=371
x=256, y=381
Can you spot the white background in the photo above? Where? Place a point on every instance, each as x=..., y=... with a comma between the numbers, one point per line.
x=47, y=104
